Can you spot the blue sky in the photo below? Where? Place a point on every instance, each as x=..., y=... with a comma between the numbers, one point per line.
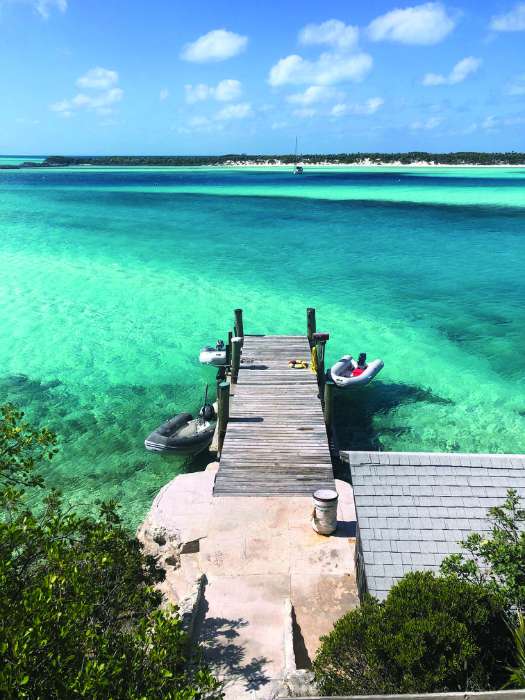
x=220, y=76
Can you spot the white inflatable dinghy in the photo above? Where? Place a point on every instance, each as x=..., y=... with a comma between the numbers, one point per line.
x=213, y=356
x=348, y=372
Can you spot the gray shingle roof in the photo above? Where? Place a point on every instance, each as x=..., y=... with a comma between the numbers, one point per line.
x=414, y=507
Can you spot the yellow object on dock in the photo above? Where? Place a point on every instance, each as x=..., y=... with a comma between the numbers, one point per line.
x=313, y=360
x=298, y=364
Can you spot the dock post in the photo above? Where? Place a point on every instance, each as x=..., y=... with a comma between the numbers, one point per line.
x=229, y=348
x=310, y=324
x=238, y=327
x=319, y=340
x=320, y=362
x=236, y=358
x=223, y=410
x=329, y=388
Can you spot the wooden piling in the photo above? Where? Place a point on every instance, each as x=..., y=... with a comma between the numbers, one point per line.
x=320, y=348
x=329, y=389
x=236, y=358
x=229, y=348
x=223, y=411
x=238, y=327
x=319, y=340
x=310, y=324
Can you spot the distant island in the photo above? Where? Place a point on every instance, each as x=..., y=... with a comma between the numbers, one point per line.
x=419, y=158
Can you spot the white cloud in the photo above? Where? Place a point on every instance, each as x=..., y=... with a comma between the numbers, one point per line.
x=279, y=125
x=216, y=122
x=427, y=124
x=62, y=107
x=164, y=94
x=370, y=106
x=513, y=21
x=44, y=7
x=98, y=79
x=102, y=97
x=227, y=90
x=517, y=86
x=224, y=91
x=332, y=32
x=493, y=123
x=236, y=111
x=373, y=104
x=328, y=69
x=461, y=70
x=100, y=101
x=197, y=93
x=339, y=110
x=217, y=45
x=489, y=123
x=422, y=24
x=304, y=113
x=313, y=94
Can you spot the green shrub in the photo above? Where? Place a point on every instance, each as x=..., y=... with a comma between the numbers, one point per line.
x=496, y=560
x=517, y=670
x=79, y=611
x=431, y=634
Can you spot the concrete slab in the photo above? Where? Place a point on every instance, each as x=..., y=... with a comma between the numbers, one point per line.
x=257, y=554
x=318, y=602
x=242, y=631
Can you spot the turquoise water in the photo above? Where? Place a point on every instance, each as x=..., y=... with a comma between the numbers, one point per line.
x=111, y=281
x=16, y=160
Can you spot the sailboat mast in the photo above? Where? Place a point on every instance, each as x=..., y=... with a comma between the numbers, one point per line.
x=297, y=169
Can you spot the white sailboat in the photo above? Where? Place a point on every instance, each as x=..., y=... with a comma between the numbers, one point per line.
x=298, y=168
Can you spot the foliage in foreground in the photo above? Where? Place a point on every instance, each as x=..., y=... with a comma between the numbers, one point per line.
x=79, y=612
x=431, y=634
x=496, y=560
x=517, y=671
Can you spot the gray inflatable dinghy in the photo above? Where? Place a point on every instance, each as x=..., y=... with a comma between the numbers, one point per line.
x=183, y=433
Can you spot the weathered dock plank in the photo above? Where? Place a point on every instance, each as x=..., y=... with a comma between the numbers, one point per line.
x=276, y=442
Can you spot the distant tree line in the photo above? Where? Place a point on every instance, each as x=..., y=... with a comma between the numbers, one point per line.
x=457, y=158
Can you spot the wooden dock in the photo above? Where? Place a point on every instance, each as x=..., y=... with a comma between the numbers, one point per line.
x=276, y=442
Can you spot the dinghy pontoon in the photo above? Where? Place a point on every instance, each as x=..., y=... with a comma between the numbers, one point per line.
x=347, y=372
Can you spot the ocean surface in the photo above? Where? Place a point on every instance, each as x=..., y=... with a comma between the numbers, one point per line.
x=111, y=280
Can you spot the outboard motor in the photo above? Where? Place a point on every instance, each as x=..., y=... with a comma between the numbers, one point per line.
x=207, y=412
x=361, y=360
x=219, y=345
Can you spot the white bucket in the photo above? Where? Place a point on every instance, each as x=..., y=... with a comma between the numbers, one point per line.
x=324, y=518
